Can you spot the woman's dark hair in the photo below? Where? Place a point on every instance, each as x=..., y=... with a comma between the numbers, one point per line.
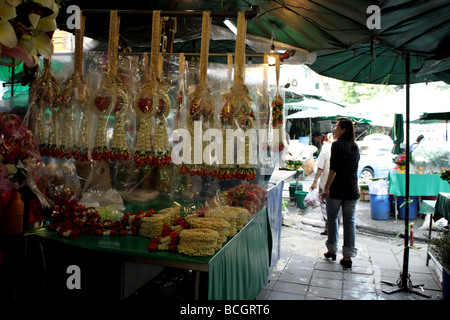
x=349, y=134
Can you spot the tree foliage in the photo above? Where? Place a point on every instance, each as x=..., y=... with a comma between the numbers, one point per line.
x=353, y=92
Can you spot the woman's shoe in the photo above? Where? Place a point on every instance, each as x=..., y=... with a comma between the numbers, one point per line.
x=346, y=263
x=329, y=255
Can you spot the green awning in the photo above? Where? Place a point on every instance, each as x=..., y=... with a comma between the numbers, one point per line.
x=367, y=64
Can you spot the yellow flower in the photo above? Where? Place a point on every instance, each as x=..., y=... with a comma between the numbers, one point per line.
x=7, y=12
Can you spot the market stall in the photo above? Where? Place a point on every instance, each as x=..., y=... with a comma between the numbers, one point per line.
x=237, y=271
x=420, y=185
x=443, y=204
x=153, y=158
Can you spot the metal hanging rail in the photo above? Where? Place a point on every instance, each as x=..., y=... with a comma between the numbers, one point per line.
x=249, y=14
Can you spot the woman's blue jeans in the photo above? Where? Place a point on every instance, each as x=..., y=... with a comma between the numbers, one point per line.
x=348, y=217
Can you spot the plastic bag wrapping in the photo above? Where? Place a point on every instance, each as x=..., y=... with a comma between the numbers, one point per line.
x=20, y=159
x=379, y=187
x=312, y=199
x=108, y=203
x=142, y=184
x=432, y=155
x=194, y=159
x=245, y=195
x=63, y=182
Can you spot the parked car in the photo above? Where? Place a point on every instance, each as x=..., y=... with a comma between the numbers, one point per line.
x=375, y=156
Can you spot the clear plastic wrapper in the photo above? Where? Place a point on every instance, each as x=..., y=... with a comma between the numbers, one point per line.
x=20, y=159
x=312, y=199
x=379, y=187
x=110, y=121
x=432, y=155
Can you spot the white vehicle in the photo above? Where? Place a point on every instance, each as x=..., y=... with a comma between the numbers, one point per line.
x=376, y=157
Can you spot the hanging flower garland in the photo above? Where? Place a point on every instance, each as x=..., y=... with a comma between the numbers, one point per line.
x=201, y=103
x=144, y=109
x=162, y=156
x=44, y=91
x=72, y=100
x=237, y=112
x=109, y=98
x=277, y=110
x=264, y=109
x=153, y=101
x=119, y=149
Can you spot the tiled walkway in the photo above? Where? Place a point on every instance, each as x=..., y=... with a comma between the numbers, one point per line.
x=302, y=273
x=306, y=278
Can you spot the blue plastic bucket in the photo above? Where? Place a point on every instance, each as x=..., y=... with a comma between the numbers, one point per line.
x=380, y=207
x=413, y=207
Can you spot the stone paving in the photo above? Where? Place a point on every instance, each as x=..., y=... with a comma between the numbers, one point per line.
x=302, y=273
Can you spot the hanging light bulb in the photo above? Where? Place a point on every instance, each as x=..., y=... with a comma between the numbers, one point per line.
x=230, y=26
x=271, y=60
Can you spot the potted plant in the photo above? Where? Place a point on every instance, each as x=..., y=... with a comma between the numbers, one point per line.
x=446, y=176
x=298, y=164
x=400, y=161
x=289, y=163
x=441, y=248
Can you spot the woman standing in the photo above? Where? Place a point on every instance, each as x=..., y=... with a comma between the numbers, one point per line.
x=341, y=191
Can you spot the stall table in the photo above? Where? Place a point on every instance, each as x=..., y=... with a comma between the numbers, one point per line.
x=443, y=205
x=237, y=271
x=419, y=184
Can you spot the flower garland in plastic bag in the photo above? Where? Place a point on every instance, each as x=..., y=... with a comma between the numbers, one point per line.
x=277, y=110
x=109, y=97
x=72, y=100
x=237, y=112
x=153, y=101
x=201, y=103
x=44, y=92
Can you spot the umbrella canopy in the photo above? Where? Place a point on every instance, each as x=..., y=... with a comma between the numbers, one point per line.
x=313, y=113
x=435, y=116
x=398, y=134
x=421, y=28
x=301, y=25
x=314, y=103
x=381, y=110
x=369, y=64
x=439, y=68
x=415, y=26
x=325, y=109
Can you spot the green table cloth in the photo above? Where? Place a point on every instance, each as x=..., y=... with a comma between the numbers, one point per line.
x=419, y=184
x=427, y=207
x=238, y=271
x=443, y=204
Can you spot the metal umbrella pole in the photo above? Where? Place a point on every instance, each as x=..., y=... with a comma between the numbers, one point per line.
x=404, y=283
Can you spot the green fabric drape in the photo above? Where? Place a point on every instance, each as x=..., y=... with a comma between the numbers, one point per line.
x=420, y=184
x=443, y=204
x=239, y=270
x=398, y=134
